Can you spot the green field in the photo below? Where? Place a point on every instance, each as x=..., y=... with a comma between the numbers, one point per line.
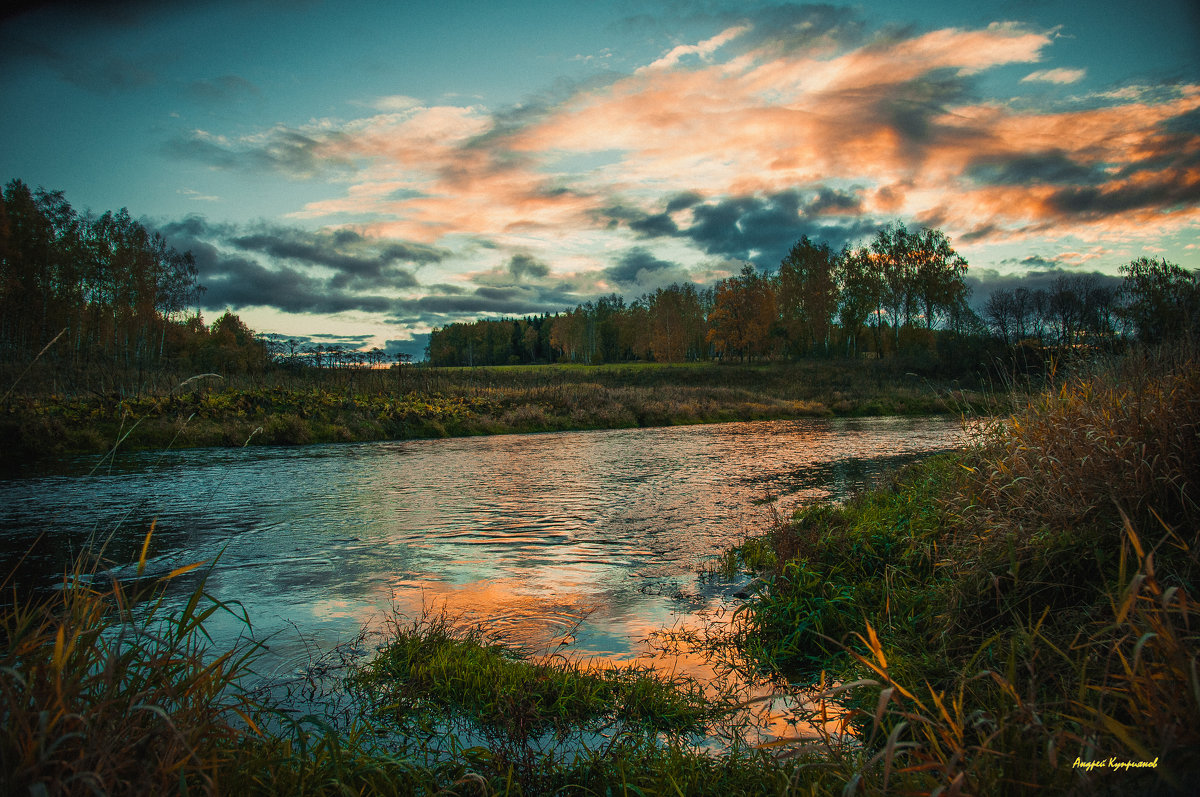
x=282, y=407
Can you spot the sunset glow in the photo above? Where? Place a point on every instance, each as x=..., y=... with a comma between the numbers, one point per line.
x=364, y=175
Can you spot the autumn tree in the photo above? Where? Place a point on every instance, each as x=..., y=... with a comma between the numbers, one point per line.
x=1162, y=300
x=744, y=309
x=936, y=271
x=860, y=288
x=808, y=295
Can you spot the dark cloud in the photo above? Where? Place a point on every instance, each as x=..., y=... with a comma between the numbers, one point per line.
x=1162, y=191
x=1043, y=273
x=911, y=108
x=763, y=228
x=322, y=338
x=414, y=346
x=289, y=152
x=753, y=227
x=289, y=269
x=104, y=74
x=1053, y=166
x=452, y=290
x=979, y=232
x=832, y=201
x=434, y=310
x=659, y=224
x=240, y=282
x=70, y=39
x=523, y=265
x=359, y=263
x=683, y=201
x=639, y=268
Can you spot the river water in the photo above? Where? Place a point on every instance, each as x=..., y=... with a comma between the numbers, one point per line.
x=581, y=541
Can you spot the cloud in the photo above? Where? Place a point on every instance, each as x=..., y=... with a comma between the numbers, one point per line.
x=704, y=49
x=1060, y=76
x=756, y=227
x=790, y=120
x=524, y=265
x=195, y=195
x=639, y=268
x=1039, y=273
x=1025, y=168
x=103, y=74
x=296, y=270
x=302, y=155
x=413, y=346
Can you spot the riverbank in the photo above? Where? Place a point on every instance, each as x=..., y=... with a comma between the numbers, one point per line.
x=405, y=403
x=1011, y=618
x=1018, y=616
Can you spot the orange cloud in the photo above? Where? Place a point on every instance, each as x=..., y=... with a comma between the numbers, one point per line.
x=890, y=117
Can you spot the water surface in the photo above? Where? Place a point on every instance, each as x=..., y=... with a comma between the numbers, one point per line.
x=587, y=541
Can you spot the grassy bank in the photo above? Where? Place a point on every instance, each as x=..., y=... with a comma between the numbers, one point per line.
x=106, y=692
x=284, y=408
x=1012, y=618
x=1017, y=616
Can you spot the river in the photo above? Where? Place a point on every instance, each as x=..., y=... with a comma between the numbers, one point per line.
x=582, y=541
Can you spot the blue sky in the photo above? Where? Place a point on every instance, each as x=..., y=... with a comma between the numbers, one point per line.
x=364, y=172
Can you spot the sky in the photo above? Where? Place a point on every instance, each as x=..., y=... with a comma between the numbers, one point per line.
x=361, y=173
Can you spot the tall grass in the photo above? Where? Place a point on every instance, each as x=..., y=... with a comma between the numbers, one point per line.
x=108, y=688
x=103, y=694
x=1019, y=616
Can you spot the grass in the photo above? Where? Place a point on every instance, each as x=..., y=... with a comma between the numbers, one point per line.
x=102, y=694
x=1017, y=616
x=319, y=407
x=111, y=688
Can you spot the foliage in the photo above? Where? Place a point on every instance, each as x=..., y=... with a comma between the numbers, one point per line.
x=1163, y=300
x=114, y=285
x=999, y=621
x=102, y=694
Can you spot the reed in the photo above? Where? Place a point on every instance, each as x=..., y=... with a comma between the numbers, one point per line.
x=1018, y=616
x=103, y=693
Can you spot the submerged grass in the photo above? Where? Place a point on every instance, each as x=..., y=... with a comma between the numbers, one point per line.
x=106, y=689
x=434, y=662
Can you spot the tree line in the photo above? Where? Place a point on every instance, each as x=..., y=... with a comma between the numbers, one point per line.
x=1154, y=302
x=902, y=292
x=115, y=293
x=890, y=294
x=107, y=290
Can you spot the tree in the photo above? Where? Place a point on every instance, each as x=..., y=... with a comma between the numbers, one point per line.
x=808, y=295
x=743, y=312
x=890, y=252
x=1162, y=300
x=937, y=272
x=860, y=288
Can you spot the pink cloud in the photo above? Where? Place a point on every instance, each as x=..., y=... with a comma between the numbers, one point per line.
x=887, y=116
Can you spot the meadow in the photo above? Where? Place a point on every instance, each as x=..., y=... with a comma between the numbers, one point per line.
x=1009, y=618
x=294, y=407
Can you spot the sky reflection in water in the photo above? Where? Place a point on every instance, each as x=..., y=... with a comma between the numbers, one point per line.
x=590, y=538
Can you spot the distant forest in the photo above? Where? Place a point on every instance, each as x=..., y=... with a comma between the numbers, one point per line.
x=110, y=293
x=903, y=293
x=106, y=291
